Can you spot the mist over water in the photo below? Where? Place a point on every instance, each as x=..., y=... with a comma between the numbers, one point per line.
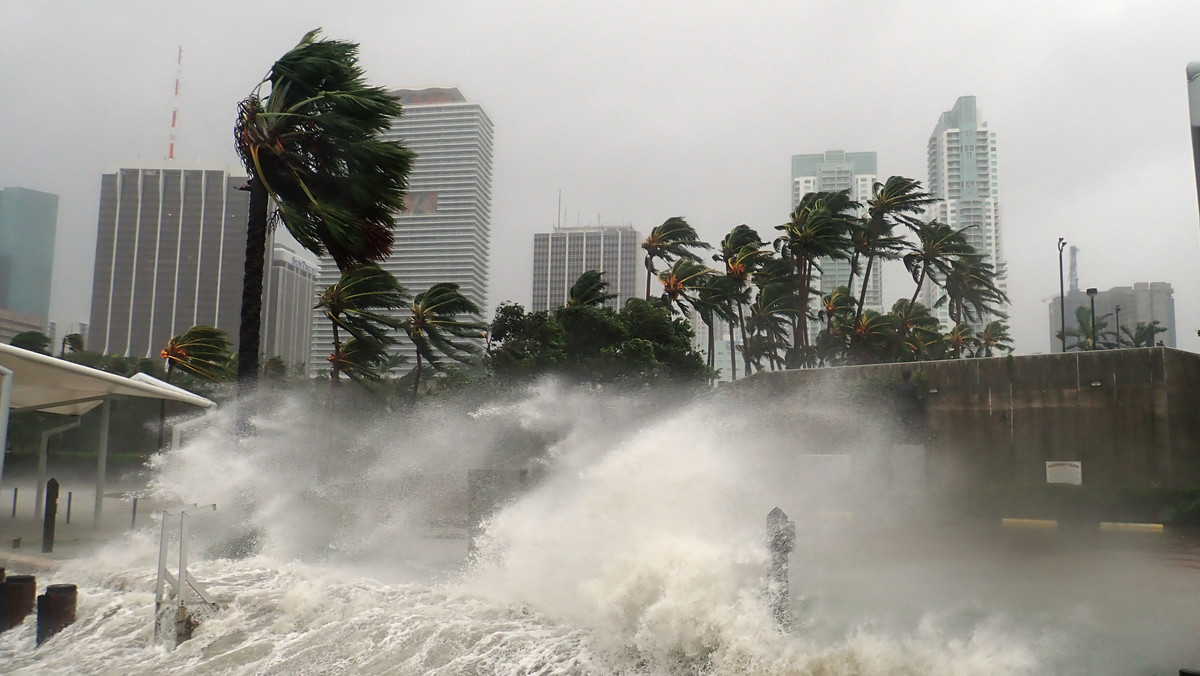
x=639, y=549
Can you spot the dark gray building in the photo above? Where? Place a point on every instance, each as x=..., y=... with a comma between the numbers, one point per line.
x=1144, y=302
x=170, y=252
x=559, y=258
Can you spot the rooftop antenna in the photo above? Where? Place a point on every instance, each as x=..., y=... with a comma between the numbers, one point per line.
x=558, y=222
x=175, y=102
x=1074, y=250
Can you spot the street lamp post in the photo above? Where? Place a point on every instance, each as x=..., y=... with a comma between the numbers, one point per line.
x=1092, y=295
x=1118, y=326
x=1062, y=301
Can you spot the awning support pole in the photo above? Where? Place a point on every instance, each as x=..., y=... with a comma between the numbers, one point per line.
x=102, y=459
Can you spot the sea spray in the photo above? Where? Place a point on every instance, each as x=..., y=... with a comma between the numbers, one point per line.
x=640, y=551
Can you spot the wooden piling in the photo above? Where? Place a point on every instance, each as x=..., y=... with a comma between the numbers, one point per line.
x=48, y=522
x=56, y=610
x=16, y=600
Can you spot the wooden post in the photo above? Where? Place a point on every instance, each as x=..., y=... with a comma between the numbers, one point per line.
x=781, y=540
x=16, y=600
x=51, y=515
x=56, y=610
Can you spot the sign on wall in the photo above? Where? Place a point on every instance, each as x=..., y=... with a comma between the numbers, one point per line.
x=1064, y=472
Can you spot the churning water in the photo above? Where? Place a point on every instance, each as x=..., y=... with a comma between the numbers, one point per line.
x=339, y=547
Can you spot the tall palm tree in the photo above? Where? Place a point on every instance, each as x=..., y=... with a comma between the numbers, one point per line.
x=918, y=334
x=590, y=290
x=358, y=303
x=898, y=200
x=937, y=246
x=969, y=289
x=818, y=227
x=713, y=300
x=309, y=135
x=72, y=342
x=769, y=320
x=362, y=358
x=742, y=253
x=672, y=240
x=437, y=317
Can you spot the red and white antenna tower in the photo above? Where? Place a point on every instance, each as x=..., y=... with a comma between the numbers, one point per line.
x=175, y=103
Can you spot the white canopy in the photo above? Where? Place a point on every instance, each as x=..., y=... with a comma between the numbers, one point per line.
x=38, y=382
x=44, y=383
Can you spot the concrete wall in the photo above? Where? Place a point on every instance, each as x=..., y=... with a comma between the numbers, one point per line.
x=1131, y=416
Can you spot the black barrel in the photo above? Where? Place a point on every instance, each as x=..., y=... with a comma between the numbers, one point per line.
x=16, y=600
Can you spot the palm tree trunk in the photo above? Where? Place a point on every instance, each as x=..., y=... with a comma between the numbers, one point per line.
x=712, y=344
x=745, y=354
x=417, y=377
x=334, y=371
x=252, y=286
x=853, y=267
x=649, y=269
x=733, y=349
x=862, y=294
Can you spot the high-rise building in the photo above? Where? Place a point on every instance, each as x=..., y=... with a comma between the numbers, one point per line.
x=444, y=234
x=832, y=171
x=170, y=254
x=560, y=257
x=1142, y=303
x=961, y=156
x=288, y=296
x=28, y=221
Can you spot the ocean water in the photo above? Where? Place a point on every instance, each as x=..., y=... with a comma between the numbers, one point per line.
x=338, y=547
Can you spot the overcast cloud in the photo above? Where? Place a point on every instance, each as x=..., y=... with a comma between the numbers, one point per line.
x=640, y=111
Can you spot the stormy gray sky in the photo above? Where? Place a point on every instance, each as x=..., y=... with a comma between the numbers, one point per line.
x=639, y=111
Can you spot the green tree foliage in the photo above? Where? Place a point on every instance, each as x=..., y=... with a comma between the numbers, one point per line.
x=590, y=289
x=440, y=323
x=309, y=136
x=1141, y=335
x=358, y=303
x=34, y=341
x=637, y=346
x=672, y=240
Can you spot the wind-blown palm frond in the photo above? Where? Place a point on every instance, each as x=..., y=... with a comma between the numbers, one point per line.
x=356, y=303
x=436, y=319
x=590, y=289
x=681, y=282
x=672, y=240
x=202, y=351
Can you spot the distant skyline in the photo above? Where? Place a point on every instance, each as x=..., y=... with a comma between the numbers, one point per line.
x=641, y=112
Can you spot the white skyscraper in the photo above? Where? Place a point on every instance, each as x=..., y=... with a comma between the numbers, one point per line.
x=832, y=171
x=962, y=175
x=445, y=233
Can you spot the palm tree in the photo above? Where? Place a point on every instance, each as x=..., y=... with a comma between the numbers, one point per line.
x=961, y=339
x=741, y=252
x=713, y=299
x=1141, y=335
x=590, y=290
x=72, y=342
x=918, y=334
x=937, y=246
x=309, y=135
x=681, y=282
x=969, y=289
x=837, y=311
x=202, y=351
x=669, y=241
x=818, y=227
x=872, y=335
x=434, y=323
x=362, y=358
x=357, y=303
x=1083, y=331
x=994, y=336
x=769, y=320
x=898, y=200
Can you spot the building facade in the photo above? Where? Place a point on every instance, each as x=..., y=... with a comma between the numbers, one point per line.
x=1144, y=302
x=962, y=161
x=289, y=294
x=170, y=254
x=28, y=222
x=444, y=235
x=832, y=171
x=560, y=257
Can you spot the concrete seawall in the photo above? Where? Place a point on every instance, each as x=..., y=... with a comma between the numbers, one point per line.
x=1132, y=417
